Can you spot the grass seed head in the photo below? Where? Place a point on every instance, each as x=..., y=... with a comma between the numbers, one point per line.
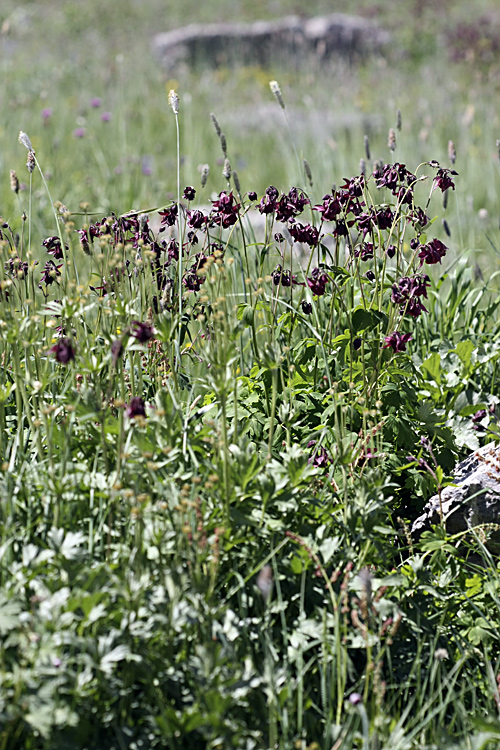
x=391, y=141
x=14, y=182
x=173, y=100
x=275, y=89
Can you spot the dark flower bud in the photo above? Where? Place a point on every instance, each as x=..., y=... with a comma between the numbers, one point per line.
x=143, y=332
x=189, y=193
x=356, y=344
x=63, y=351
x=391, y=251
x=135, y=408
x=306, y=306
x=252, y=195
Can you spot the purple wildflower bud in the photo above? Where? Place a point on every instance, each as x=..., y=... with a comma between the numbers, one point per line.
x=143, y=332
x=106, y=117
x=96, y=102
x=278, y=237
x=189, y=193
x=135, y=408
x=46, y=114
x=63, y=351
x=479, y=415
x=79, y=133
x=355, y=698
x=397, y=341
x=370, y=276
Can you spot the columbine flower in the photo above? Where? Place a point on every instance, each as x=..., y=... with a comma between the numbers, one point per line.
x=189, y=193
x=135, y=408
x=269, y=202
x=317, y=282
x=397, y=341
x=252, y=195
x=443, y=181
x=50, y=273
x=63, y=351
x=306, y=306
x=143, y=332
x=54, y=247
x=432, y=252
x=320, y=457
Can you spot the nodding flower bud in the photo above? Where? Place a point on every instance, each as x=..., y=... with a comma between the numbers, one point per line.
x=275, y=89
x=173, y=100
x=23, y=138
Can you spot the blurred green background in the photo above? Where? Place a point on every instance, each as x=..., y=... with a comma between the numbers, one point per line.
x=58, y=58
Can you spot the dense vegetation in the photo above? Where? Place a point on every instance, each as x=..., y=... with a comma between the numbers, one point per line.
x=225, y=396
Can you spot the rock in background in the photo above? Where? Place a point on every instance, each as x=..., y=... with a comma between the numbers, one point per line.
x=291, y=39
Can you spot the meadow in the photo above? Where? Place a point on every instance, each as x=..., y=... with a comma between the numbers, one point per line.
x=248, y=326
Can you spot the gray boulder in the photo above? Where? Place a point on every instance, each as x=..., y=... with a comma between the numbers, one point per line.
x=475, y=499
x=291, y=39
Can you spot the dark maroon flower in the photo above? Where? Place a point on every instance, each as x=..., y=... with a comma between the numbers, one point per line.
x=269, y=202
x=306, y=306
x=53, y=247
x=479, y=415
x=143, y=332
x=225, y=210
x=281, y=277
x=278, y=237
x=365, y=251
x=50, y=273
x=356, y=344
x=84, y=241
x=135, y=408
x=252, y=195
x=18, y=268
x=370, y=276
x=189, y=193
x=169, y=216
x=63, y=351
x=432, y=252
x=317, y=282
x=305, y=233
x=443, y=180
x=397, y=341
x=192, y=282
x=319, y=457
x=291, y=205
x=384, y=218
x=330, y=208
x=196, y=219
x=173, y=250
x=391, y=251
